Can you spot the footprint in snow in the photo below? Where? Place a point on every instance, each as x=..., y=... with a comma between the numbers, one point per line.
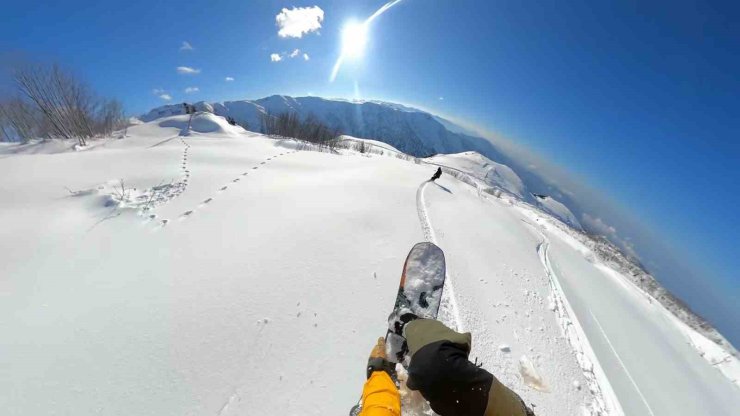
x=245, y=173
x=224, y=188
x=187, y=213
x=208, y=200
x=255, y=167
x=263, y=163
x=235, y=180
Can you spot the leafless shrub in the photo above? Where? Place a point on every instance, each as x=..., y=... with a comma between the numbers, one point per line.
x=154, y=195
x=361, y=146
x=110, y=117
x=19, y=121
x=121, y=193
x=53, y=103
x=288, y=124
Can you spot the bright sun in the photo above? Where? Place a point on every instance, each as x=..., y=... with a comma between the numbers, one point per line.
x=354, y=38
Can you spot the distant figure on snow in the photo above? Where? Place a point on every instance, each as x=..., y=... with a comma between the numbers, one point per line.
x=437, y=174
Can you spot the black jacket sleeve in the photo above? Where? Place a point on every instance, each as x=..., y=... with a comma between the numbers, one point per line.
x=453, y=385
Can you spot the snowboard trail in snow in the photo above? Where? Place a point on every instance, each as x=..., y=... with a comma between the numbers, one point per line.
x=606, y=402
x=449, y=313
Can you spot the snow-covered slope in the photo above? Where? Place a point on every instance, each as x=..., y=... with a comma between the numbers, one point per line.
x=222, y=272
x=489, y=172
x=552, y=206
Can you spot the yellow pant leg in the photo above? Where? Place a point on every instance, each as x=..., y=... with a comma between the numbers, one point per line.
x=380, y=396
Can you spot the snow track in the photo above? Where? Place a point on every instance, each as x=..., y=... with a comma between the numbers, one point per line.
x=449, y=312
x=605, y=404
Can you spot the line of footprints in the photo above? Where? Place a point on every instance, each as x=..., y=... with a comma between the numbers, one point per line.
x=186, y=171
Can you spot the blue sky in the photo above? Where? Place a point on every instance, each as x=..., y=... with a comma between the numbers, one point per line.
x=638, y=100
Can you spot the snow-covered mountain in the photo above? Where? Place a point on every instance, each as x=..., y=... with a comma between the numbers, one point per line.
x=411, y=131
x=218, y=271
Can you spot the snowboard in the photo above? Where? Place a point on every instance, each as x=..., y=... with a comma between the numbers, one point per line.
x=419, y=292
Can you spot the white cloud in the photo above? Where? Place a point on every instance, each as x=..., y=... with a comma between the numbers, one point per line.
x=295, y=22
x=441, y=98
x=190, y=90
x=277, y=57
x=186, y=46
x=187, y=70
x=161, y=93
x=597, y=225
x=229, y=79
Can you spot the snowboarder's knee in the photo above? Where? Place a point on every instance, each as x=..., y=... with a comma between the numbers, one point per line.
x=423, y=332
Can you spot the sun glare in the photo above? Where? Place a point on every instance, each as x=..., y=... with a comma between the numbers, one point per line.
x=354, y=39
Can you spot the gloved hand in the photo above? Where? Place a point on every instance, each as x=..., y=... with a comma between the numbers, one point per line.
x=378, y=360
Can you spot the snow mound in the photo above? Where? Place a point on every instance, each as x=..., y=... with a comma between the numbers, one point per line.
x=202, y=123
x=175, y=110
x=475, y=164
x=558, y=210
x=37, y=147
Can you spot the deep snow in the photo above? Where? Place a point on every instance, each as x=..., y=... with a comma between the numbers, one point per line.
x=242, y=276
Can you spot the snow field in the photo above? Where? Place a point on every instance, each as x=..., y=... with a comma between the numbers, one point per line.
x=262, y=282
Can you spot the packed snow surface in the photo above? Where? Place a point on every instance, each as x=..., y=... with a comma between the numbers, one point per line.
x=217, y=271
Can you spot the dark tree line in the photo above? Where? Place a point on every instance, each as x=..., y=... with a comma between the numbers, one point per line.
x=50, y=102
x=311, y=129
